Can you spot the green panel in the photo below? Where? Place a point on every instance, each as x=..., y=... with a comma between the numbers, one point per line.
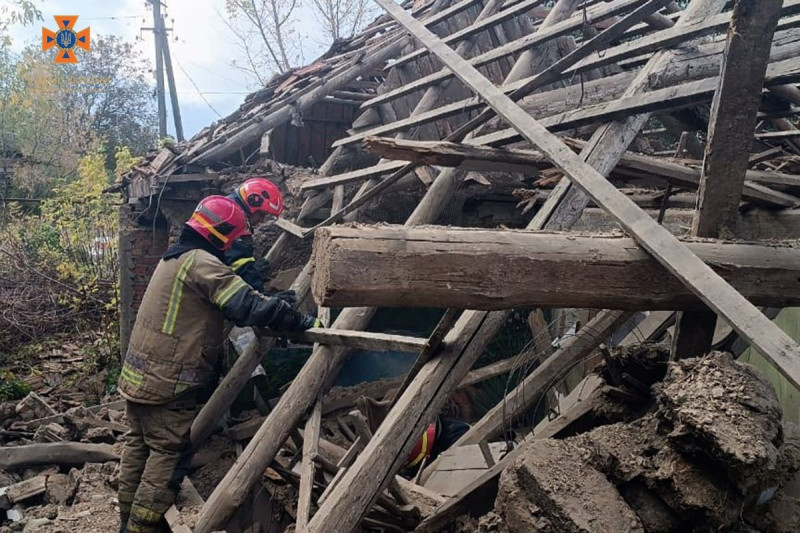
x=789, y=321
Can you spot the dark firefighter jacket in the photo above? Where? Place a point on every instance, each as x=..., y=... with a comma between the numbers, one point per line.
x=177, y=339
x=240, y=259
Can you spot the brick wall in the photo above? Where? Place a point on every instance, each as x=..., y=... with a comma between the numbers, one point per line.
x=140, y=249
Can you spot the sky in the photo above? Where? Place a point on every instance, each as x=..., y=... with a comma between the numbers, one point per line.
x=201, y=45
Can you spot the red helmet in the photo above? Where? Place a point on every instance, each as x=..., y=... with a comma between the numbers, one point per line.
x=260, y=194
x=219, y=220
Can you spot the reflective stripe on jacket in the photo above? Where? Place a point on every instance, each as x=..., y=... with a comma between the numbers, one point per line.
x=423, y=447
x=177, y=339
x=241, y=260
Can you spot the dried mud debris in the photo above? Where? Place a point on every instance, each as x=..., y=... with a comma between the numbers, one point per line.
x=699, y=462
x=724, y=412
x=552, y=488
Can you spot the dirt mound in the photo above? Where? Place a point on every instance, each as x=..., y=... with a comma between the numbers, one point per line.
x=695, y=463
x=723, y=412
x=552, y=488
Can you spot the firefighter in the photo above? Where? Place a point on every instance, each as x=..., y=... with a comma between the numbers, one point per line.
x=259, y=198
x=174, y=352
x=437, y=437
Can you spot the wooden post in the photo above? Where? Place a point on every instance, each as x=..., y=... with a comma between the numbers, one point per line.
x=730, y=137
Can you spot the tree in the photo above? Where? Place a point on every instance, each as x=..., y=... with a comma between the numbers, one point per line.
x=52, y=115
x=267, y=34
x=120, y=108
x=341, y=19
x=16, y=12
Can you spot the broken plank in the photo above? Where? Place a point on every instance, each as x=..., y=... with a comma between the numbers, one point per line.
x=175, y=521
x=307, y=469
x=290, y=227
x=18, y=492
x=355, y=339
x=430, y=267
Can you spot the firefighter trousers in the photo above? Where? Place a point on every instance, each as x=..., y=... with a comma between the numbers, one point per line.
x=155, y=459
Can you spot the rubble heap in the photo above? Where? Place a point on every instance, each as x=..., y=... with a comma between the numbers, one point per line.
x=712, y=451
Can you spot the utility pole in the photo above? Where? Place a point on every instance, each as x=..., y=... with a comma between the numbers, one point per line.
x=173, y=94
x=162, y=104
x=163, y=58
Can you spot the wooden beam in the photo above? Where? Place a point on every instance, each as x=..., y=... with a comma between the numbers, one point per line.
x=308, y=470
x=492, y=270
x=354, y=339
x=733, y=118
x=733, y=115
x=472, y=157
x=746, y=319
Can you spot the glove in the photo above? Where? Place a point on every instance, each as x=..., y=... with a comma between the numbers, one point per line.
x=309, y=322
x=262, y=265
x=287, y=296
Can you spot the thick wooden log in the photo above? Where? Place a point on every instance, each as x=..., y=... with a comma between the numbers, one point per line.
x=67, y=453
x=490, y=270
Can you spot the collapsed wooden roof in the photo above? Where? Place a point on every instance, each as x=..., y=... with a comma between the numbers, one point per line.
x=597, y=73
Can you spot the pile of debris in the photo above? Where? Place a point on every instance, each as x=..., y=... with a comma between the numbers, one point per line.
x=713, y=455
x=58, y=471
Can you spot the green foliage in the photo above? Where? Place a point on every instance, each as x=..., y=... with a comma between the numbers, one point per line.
x=60, y=268
x=53, y=115
x=11, y=389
